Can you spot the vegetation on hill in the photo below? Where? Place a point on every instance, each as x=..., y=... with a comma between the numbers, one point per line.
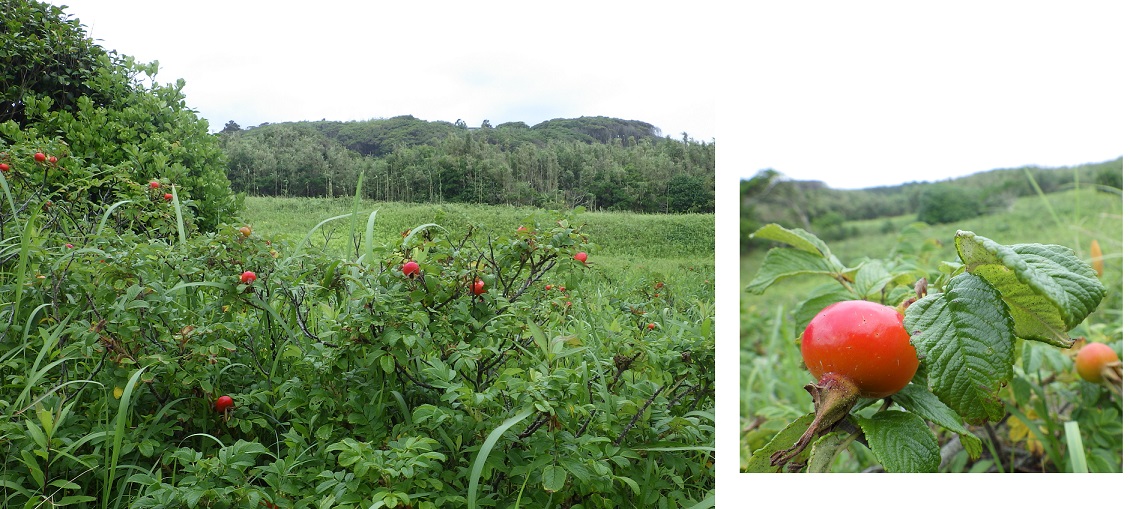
x=598, y=162
x=771, y=197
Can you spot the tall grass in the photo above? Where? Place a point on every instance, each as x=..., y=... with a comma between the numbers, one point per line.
x=622, y=235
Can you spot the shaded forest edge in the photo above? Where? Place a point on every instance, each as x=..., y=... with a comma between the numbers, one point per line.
x=598, y=162
x=771, y=197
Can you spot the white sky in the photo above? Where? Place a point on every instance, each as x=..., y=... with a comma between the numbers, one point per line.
x=860, y=94
x=256, y=61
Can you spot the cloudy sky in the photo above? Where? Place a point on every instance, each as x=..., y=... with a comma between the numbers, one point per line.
x=256, y=61
x=861, y=94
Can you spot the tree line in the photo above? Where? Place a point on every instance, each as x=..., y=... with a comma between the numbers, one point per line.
x=597, y=162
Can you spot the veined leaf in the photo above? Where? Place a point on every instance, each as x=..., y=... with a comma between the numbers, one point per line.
x=918, y=400
x=784, y=262
x=1047, y=288
x=759, y=462
x=796, y=237
x=965, y=337
x=902, y=441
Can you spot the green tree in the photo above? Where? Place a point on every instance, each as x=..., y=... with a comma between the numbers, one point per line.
x=945, y=203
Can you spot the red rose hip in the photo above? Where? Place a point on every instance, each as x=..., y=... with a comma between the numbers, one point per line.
x=865, y=343
x=224, y=403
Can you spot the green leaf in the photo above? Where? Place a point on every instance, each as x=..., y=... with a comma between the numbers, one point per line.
x=759, y=461
x=825, y=449
x=870, y=280
x=919, y=400
x=1048, y=289
x=902, y=441
x=782, y=262
x=553, y=478
x=964, y=336
x=796, y=237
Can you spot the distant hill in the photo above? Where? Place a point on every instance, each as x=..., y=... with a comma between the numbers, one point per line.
x=599, y=162
x=771, y=197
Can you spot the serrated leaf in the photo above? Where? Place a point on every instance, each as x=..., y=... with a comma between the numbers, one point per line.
x=902, y=441
x=784, y=262
x=553, y=478
x=918, y=400
x=759, y=461
x=825, y=449
x=871, y=278
x=796, y=237
x=964, y=336
x=1048, y=289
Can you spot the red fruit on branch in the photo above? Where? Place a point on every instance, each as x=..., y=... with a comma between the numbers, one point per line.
x=40, y=157
x=478, y=287
x=224, y=403
x=1092, y=359
x=854, y=349
x=864, y=342
x=581, y=257
x=247, y=277
x=410, y=268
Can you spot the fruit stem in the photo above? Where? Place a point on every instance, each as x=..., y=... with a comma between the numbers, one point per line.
x=833, y=396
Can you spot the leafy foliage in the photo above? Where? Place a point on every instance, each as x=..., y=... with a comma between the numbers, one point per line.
x=112, y=119
x=965, y=333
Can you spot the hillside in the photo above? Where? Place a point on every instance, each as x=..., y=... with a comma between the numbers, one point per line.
x=599, y=162
x=771, y=197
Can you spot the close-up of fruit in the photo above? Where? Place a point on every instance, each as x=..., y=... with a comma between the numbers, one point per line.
x=862, y=341
x=245, y=231
x=224, y=403
x=478, y=287
x=581, y=257
x=4, y=167
x=52, y=159
x=410, y=268
x=168, y=196
x=154, y=185
x=1091, y=360
x=247, y=277
x=40, y=157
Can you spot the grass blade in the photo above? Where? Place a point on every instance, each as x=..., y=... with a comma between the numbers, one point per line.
x=1075, y=447
x=119, y=433
x=481, y=458
x=106, y=215
x=180, y=219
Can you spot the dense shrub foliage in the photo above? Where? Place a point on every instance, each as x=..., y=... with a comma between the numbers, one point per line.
x=104, y=111
x=504, y=372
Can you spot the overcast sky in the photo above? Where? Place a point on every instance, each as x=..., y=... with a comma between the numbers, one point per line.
x=860, y=94
x=258, y=61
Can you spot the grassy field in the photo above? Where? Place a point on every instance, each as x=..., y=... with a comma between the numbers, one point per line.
x=771, y=369
x=635, y=245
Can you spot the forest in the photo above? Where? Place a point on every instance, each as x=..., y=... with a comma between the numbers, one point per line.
x=772, y=197
x=601, y=163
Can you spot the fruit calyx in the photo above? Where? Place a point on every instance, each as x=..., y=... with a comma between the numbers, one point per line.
x=833, y=395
